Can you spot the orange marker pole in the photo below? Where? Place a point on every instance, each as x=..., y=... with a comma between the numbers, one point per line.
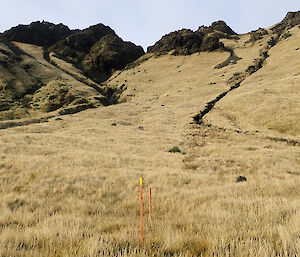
x=141, y=210
x=150, y=207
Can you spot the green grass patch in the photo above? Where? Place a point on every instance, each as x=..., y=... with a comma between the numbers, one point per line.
x=174, y=149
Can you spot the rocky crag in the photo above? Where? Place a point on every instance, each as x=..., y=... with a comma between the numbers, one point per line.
x=38, y=33
x=78, y=46
x=32, y=83
x=186, y=41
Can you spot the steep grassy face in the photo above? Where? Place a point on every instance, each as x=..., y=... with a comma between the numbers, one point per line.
x=292, y=19
x=15, y=80
x=271, y=97
x=30, y=85
x=17, y=71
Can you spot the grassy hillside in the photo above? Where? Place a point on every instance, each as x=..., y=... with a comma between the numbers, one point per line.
x=272, y=93
x=32, y=86
x=70, y=187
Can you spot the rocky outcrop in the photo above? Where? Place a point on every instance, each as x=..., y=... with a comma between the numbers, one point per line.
x=108, y=54
x=256, y=35
x=183, y=42
x=291, y=19
x=38, y=33
x=186, y=42
x=76, y=46
x=98, y=51
x=219, y=26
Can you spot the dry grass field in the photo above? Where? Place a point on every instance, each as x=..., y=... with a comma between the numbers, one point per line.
x=70, y=186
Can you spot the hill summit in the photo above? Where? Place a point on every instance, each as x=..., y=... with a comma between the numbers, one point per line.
x=38, y=33
x=78, y=46
x=98, y=51
x=186, y=41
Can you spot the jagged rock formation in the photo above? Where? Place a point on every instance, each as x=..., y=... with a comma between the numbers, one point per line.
x=79, y=46
x=186, y=42
x=98, y=51
x=220, y=26
x=38, y=33
x=76, y=46
x=108, y=54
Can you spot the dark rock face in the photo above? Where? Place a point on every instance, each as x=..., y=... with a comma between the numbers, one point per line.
x=76, y=46
x=108, y=54
x=211, y=43
x=220, y=26
x=97, y=50
x=186, y=42
x=38, y=33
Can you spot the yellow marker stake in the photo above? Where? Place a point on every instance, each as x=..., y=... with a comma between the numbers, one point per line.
x=141, y=181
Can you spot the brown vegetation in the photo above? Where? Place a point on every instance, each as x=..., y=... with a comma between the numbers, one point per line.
x=70, y=186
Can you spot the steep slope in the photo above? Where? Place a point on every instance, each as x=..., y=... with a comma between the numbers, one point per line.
x=28, y=76
x=290, y=20
x=278, y=44
x=29, y=85
x=272, y=93
x=38, y=33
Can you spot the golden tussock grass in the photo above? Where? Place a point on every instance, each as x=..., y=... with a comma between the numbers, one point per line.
x=70, y=187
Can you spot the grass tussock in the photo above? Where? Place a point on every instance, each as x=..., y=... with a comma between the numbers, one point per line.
x=174, y=149
x=71, y=188
x=58, y=199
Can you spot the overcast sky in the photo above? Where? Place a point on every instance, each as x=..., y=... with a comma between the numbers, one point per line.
x=145, y=22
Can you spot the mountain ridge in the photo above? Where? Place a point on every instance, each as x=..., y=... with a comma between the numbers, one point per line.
x=75, y=45
x=95, y=53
